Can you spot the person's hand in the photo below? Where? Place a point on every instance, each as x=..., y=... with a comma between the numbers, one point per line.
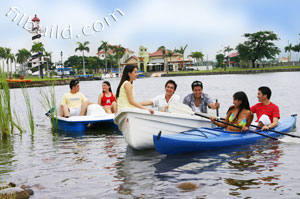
x=217, y=105
x=245, y=128
x=165, y=108
x=151, y=111
x=213, y=119
x=265, y=128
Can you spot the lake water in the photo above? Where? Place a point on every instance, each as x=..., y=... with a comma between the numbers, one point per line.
x=101, y=165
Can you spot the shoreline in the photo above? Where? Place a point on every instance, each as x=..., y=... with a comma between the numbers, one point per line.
x=246, y=71
x=59, y=82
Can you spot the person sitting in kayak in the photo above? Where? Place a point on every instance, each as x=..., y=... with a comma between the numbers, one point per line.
x=267, y=113
x=199, y=101
x=162, y=101
x=107, y=98
x=125, y=90
x=73, y=103
x=239, y=114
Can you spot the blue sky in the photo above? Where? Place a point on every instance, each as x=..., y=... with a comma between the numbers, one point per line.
x=205, y=25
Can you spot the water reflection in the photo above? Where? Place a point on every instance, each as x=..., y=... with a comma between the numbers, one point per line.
x=6, y=156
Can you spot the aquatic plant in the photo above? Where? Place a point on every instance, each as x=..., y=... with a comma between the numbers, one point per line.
x=49, y=104
x=28, y=108
x=5, y=109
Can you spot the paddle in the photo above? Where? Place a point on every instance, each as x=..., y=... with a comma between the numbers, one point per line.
x=182, y=108
x=217, y=109
x=281, y=133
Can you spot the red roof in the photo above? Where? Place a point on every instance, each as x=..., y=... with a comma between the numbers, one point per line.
x=35, y=18
x=234, y=54
x=160, y=53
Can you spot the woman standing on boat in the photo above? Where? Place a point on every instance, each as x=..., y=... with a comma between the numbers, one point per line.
x=107, y=98
x=125, y=91
x=239, y=114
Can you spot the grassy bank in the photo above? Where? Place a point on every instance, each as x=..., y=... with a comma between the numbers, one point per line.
x=235, y=71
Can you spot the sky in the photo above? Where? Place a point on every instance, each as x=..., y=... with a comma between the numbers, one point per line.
x=204, y=25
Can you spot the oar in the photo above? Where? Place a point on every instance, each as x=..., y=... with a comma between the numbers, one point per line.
x=182, y=108
x=217, y=109
x=281, y=133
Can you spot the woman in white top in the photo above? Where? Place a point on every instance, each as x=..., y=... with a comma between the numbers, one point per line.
x=163, y=101
x=125, y=91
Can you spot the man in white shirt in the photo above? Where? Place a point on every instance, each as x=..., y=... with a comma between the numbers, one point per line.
x=162, y=101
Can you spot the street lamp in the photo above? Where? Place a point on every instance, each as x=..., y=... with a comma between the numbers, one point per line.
x=62, y=71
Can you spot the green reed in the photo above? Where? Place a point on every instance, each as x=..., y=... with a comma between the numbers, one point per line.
x=6, y=125
x=28, y=108
x=49, y=104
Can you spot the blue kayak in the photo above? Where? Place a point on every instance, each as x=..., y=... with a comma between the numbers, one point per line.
x=203, y=139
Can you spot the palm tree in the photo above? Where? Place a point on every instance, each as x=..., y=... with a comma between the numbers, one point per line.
x=296, y=48
x=104, y=46
x=111, y=58
x=163, y=49
x=22, y=57
x=181, y=50
x=288, y=49
x=228, y=49
x=170, y=54
x=38, y=48
x=119, y=53
x=2, y=56
x=83, y=47
x=48, y=58
x=197, y=55
x=9, y=58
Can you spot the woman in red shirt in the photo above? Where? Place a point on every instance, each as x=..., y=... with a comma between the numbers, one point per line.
x=107, y=98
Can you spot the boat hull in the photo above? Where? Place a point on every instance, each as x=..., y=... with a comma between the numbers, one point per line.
x=139, y=126
x=95, y=114
x=204, y=139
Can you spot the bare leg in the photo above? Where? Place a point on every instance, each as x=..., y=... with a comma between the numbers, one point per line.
x=64, y=111
x=107, y=109
x=84, y=106
x=114, y=107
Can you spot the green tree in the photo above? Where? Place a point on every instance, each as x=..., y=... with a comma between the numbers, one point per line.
x=83, y=47
x=197, y=55
x=227, y=50
x=9, y=59
x=37, y=47
x=119, y=53
x=111, y=59
x=74, y=62
x=22, y=58
x=181, y=50
x=259, y=45
x=2, y=56
x=296, y=48
x=170, y=54
x=163, y=49
x=104, y=46
x=288, y=49
x=220, y=60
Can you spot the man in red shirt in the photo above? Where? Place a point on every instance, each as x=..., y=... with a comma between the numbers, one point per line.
x=267, y=112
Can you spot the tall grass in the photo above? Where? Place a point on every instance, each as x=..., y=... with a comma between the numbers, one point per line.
x=6, y=124
x=28, y=108
x=49, y=104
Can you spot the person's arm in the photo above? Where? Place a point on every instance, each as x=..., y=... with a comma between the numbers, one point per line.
x=214, y=105
x=128, y=90
x=146, y=103
x=213, y=119
x=100, y=99
x=273, y=125
x=249, y=121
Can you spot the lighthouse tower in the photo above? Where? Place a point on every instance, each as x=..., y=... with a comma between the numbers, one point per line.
x=37, y=59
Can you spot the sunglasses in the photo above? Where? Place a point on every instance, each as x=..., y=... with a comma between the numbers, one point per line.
x=196, y=84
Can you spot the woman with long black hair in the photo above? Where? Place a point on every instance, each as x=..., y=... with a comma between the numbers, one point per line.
x=125, y=91
x=107, y=99
x=239, y=114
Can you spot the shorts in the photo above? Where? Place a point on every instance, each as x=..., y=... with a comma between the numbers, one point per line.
x=263, y=119
x=75, y=111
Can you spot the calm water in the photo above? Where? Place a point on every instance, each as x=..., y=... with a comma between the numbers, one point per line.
x=101, y=165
